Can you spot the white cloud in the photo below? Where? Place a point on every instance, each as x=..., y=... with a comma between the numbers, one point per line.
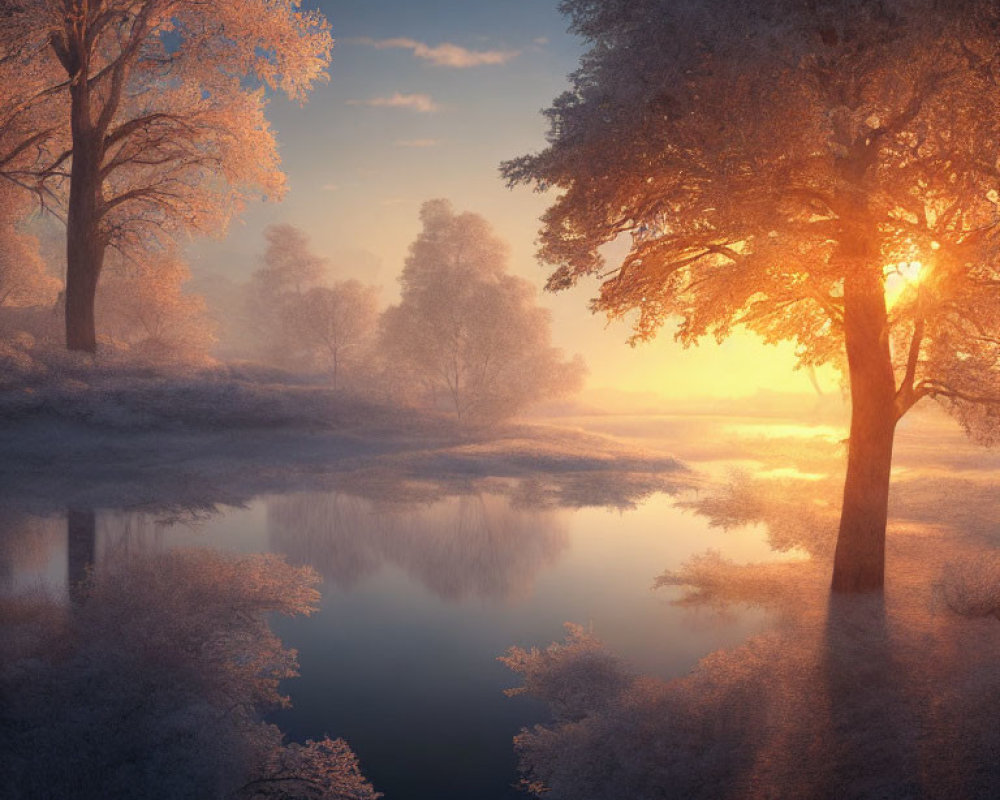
x=415, y=102
x=417, y=143
x=445, y=54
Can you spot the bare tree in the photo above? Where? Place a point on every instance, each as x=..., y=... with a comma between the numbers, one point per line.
x=774, y=163
x=468, y=331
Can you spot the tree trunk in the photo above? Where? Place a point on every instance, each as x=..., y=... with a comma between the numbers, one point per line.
x=859, y=561
x=84, y=258
x=84, y=241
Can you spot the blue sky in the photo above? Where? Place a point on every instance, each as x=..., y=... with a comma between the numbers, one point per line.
x=425, y=99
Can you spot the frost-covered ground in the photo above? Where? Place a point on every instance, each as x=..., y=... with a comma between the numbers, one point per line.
x=860, y=697
x=75, y=433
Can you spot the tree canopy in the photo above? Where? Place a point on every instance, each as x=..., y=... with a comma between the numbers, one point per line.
x=163, y=117
x=773, y=163
x=465, y=329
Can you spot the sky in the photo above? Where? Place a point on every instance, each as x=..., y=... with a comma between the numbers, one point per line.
x=425, y=100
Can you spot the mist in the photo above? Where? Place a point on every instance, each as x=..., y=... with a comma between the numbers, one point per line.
x=364, y=433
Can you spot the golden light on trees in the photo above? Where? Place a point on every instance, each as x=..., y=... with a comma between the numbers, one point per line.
x=901, y=276
x=789, y=168
x=159, y=110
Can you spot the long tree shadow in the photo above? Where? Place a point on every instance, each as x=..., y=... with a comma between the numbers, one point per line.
x=876, y=697
x=873, y=731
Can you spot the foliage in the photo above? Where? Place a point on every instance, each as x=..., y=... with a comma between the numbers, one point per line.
x=143, y=308
x=297, y=320
x=467, y=332
x=175, y=98
x=764, y=158
x=23, y=279
x=32, y=97
x=333, y=327
x=158, y=678
x=837, y=702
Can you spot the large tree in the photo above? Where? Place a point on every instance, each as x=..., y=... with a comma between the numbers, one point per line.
x=467, y=331
x=166, y=119
x=773, y=163
x=32, y=96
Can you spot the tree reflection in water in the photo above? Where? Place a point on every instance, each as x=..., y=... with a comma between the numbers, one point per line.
x=472, y=545
x=152, y=683
x=892, y=696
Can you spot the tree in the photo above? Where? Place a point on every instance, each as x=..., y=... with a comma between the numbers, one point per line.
x=32, y=97
x=467, y=330
x=331, y=325
x=289, y=263
x=288, y=268
x=143, y=307
x=23, y=279
x=773, y=164
x=168, y=132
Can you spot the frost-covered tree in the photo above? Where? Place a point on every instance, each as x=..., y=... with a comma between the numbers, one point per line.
x=288, y=268
x=778, y=165
x=143, y=306
x=23, y=279
x=467, y=331
x=32, y=96
x=294, y=318
x=166, y=119
x=333, y=327
x=289, y=264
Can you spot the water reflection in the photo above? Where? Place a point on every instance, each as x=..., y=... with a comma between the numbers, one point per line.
x=27, y=542
x=865, y=697
x=471, y=545
x=81, y=550
x=854, y=703
x=152, y=683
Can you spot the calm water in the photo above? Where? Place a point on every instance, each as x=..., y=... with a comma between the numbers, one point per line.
x=417, y=603
x=419, y=597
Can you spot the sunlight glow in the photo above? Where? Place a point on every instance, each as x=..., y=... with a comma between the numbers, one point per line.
x=901, y=276
x=784, y=430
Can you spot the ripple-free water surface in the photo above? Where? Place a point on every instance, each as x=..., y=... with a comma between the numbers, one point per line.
x=419, y=600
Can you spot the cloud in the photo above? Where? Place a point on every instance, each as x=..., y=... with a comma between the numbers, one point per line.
x=330, y=187
x=541, y=41
x=415, y=102
x=445, y=54
x=417, y=143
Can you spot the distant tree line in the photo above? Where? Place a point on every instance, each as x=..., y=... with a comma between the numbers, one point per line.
x=465, y=337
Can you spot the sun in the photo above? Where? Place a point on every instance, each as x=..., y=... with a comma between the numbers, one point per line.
x=900, y=277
